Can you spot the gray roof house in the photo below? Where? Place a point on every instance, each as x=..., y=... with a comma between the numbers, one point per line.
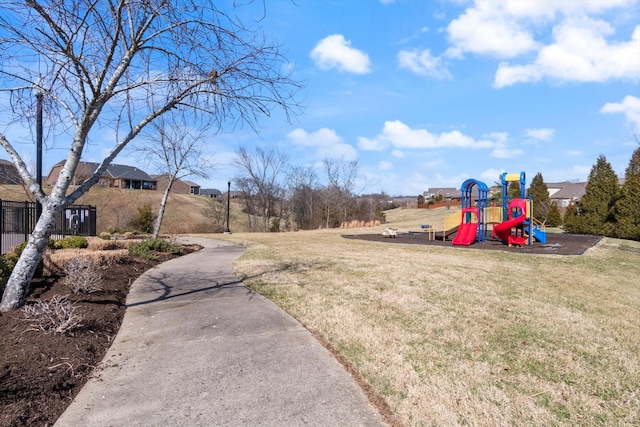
x=211, y=192
x=447, y=193
x=116, y=176
x=564, y=193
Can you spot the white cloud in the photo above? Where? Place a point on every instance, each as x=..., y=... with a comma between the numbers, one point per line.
x=400, y=136
x=540, y=134
x=501, y=148
x=581, y=49
x=581, y=172
x=491, y=176
x=398, y=154
x=573, y=153
x=326, y=142
x=580, y=52
x=336, y=52
x=423, y=63
x=371, y=144
x=385, y=165
x=630, y=107
x=487, y=29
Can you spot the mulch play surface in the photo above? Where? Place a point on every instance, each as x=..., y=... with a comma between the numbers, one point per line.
x=557, y=243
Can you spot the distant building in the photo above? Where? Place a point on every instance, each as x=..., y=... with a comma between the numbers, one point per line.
x=565, y=193
x=179, y=186
x=442, y=193
x=116, y=176
x=211, y=192
x=8, y=173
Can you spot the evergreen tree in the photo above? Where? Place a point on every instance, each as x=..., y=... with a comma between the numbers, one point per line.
x=602, y=192
x=627, y=209
x=571, y=220
x=144, y=220
x=513, y=190
x=554, y=219
x=540, y=197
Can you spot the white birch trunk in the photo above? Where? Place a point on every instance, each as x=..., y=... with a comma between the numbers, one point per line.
x=163, y=205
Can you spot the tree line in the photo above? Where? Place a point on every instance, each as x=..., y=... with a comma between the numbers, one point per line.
x=607, y=208
x=277, y=196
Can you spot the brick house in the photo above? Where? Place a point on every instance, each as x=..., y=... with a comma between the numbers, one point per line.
x=180, y=186
x=116, y=176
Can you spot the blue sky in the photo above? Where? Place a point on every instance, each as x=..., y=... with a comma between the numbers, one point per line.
x=429, y=93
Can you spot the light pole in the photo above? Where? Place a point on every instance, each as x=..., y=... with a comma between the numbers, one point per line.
x=228, y=231
x=39, y=96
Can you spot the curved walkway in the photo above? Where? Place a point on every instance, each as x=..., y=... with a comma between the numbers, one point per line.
x=198, y=348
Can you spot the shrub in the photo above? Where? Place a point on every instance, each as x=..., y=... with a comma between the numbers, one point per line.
x=105, y=236
x=144, y=219
x=81, y=276
x=6, y=267
x=57, y=316
x=74, y=242
x=146, y=248
x=554, y=219
x=11, y=258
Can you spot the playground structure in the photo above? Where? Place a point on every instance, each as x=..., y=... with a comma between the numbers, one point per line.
x=514, y=223
x=473, y=223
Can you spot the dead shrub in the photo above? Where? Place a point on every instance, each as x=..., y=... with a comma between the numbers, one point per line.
x=57, y=316
x=97, y=244
x=81, y=276
x=57, y=261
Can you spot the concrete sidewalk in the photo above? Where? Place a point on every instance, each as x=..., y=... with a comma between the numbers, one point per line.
x=198, y=348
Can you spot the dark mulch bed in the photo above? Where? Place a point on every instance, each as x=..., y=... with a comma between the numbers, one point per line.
x=557, y=243
x=41, y=373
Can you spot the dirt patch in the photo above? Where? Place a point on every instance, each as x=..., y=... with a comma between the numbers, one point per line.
x=557, y=243
x=41, y=373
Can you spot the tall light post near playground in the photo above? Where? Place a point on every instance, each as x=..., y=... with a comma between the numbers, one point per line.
x=228, y=231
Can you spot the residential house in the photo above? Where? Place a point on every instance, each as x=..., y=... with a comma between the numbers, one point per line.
x=115, y=176
x=444, y=194
x=211, y=192
x=565, y=193
x=179, y=186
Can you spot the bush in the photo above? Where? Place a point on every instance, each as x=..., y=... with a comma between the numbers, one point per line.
x=57, y=316
x=11, y=258
x=554, y=219
x=81, y=276
x=146, y=248
x=6, y=267
x=74, y=242
x=144, y=220
x=105, y=236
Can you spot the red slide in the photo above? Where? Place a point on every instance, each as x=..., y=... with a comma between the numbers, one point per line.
x=503, y=231
x=466, y=234
x=468, y=229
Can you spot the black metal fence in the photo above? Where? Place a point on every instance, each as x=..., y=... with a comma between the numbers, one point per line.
x=17, y=220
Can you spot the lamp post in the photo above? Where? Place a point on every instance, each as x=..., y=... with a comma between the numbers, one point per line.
x=39, y=96
x=228, y=231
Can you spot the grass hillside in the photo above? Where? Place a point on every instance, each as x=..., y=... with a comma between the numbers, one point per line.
x=115, y=207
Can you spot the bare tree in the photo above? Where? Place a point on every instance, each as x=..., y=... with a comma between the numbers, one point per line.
x=303, y=196
x=341, y=176
x=258, y=180
x=178, y=149
x=120, y=65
